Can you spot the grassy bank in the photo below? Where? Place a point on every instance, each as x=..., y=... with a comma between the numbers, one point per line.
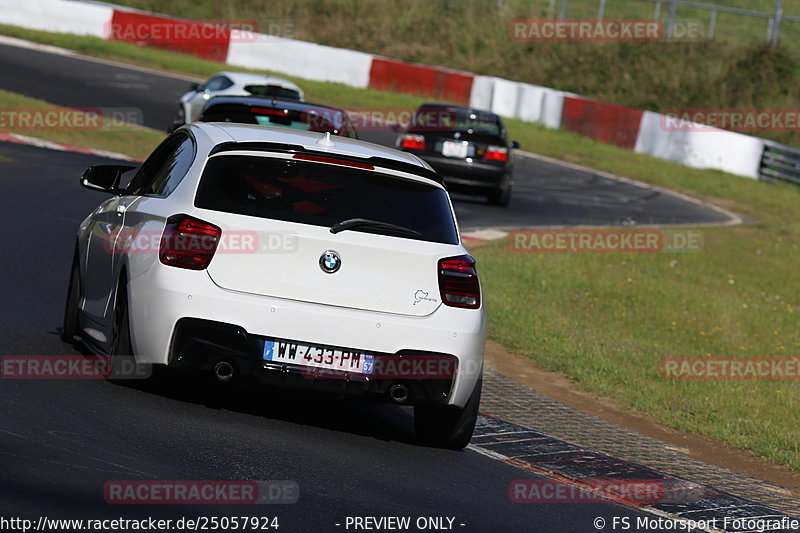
x=733, y=71
x=128, y=139
x=606, y=320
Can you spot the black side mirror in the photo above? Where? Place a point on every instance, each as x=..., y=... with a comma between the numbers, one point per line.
x=196, y=87
x=104, y=177
x=514, y=145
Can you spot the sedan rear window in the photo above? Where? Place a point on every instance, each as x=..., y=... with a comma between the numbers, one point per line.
x=323, y=195
x=448, y=119
x=273, y=91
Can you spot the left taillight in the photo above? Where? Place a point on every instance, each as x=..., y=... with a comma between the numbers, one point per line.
x=458, y=282
x=188, y=242
x=412, y=141
x=496, y=153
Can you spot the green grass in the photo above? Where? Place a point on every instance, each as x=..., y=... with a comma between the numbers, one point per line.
x=733, y=71
x=377, y=25
x=606, y=320
x=131, y=140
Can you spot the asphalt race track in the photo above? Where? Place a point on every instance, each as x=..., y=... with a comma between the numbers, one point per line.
x=545, y=194
x=61, y=441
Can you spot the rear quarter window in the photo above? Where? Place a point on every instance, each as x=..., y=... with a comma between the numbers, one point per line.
x=322, y=195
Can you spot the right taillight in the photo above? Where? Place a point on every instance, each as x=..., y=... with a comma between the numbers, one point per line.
x=496, y=153
x=412, y=141
x=188, y=242
x=458, y=282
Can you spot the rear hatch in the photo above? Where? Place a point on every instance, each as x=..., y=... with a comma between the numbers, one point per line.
x=288, y=207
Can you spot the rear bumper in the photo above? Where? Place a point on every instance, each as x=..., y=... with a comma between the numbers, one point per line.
x=201, y=344
x=459, y=174
x=163, y=296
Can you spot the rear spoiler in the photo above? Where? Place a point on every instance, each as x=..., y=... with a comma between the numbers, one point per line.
x=283, y=148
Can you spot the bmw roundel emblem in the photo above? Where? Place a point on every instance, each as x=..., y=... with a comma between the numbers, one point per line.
x=330, y=262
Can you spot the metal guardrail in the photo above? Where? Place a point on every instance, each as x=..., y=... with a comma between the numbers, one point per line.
x=780, y=162
x=774, y=19
x=725, y=9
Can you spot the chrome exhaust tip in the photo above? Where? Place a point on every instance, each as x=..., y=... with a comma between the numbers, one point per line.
x=223, y=371
x=398, y=393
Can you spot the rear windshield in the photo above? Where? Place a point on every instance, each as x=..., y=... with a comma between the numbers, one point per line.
x=275, y=91
x=300, y=120
x=453, y=120
x=322, y=195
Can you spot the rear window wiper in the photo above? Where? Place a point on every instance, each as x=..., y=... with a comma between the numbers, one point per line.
x=353, y=223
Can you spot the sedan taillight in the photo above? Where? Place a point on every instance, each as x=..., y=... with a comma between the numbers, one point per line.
x=412, y=141
x=458, y=282
x=496, y=153
x=188, y=242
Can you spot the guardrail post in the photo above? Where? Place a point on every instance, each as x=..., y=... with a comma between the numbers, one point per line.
x=776, y=23
x=712, y=25
x=562, y=12
x=673, y=7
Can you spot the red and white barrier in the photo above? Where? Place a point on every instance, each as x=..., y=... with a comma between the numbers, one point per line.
x=61, y=16
x=397, y=76
x=633, y=129
x=600, y=121
x=303, y=59
x=703, y=147
x=541, y=105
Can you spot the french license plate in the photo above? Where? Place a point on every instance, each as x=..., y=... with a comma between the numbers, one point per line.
x=454, y=149
x=318, y=357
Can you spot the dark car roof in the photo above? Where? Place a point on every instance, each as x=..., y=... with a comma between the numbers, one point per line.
x=268, y=101
x=467, y=110
x=336, y=118
x=442, y=125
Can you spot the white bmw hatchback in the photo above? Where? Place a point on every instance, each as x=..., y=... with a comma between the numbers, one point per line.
x=287, y=256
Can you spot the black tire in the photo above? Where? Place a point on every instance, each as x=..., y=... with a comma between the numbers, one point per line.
x=70, y=325
x=447, y=426
x=121, y=349
x=178, y=121
x=501, y=197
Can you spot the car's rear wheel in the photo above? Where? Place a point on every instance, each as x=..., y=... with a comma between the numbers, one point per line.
x=500, y=197
x=445, y=426
x=70, y=325
x=179, y=120
x=121, y=348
